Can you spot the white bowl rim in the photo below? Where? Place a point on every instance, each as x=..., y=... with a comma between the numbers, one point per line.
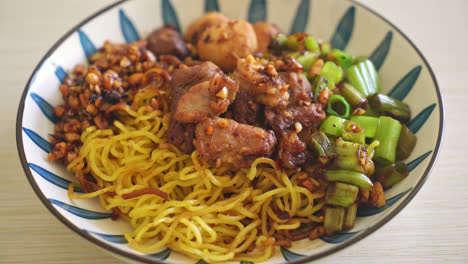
x=145, y=259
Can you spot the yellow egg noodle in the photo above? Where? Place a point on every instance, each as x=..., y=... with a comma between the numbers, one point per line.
x=211, y=213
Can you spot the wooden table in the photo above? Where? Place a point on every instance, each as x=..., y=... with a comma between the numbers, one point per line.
x=433, y=228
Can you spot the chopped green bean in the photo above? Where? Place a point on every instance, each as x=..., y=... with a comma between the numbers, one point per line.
x=391, y=174
x=325, y=49
x=406, y=143
x=364, y=78
x=307, y=60
x=368, y=123
x=344, y=59
x=388, y=134
x=353, y=96
x=332, y=73
x=350, y=156
x=323, y=146
x=311, y=44
x=350, y=177
x=338, y=106
x=341, y=194
x=332, y=125
x=387, y=105
x=333, y=221
x=353, y=132
x=350, y=216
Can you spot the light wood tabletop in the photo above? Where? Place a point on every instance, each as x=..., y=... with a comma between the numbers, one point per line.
x=433, y=228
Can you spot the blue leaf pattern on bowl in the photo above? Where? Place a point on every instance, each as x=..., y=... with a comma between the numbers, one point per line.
x=163, y=255
x=45, y=107
x=363, y=212
x=257, y=11
x=337, y=238
x=80, y=211
x=128, y=29
x=38, y=140
x=417, y=122
x=60, y=73
x=289, y=255
x=344, y=30
x=413, y=164
x=118, y=239
x=380, y=53
x=88, y=47
x=211, y=5
x=302, y=17
x=52, y=178
x=169, y=15
x=404, y=86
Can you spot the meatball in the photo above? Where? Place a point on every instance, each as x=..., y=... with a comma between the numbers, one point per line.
x=224, y=43
x=209, y=19
x=167, y=41
x=264, y=32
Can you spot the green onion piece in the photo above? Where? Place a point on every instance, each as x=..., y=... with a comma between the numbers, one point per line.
x=341, y=194
x=325, y=49
x=293, y=42
x=388, y=135
x=333, y=221
x=350, y=216
x=353, y=132
x=311, y=44
x=406, y=143
x=332, y=125
x=364, y=78
x=350, y=156
x=338, y=106
x=353, y=96
x=391, y=174
x=294, y=54
x=368, y=123
x=332, y=73
x=323, y=146
x=307, y=60
x=350, y=177
x=318, y=84
x=387, y=105
x=278, y=43
x=344, y=59
x=359, y=59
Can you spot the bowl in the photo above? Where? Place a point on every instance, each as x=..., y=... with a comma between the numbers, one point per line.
x=404, y=74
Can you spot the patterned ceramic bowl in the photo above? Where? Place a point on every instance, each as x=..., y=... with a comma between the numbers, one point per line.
x=404, y=74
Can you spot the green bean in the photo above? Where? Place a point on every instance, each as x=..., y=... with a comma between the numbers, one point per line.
x=341, y=194
x=350, y=177
x=388, y=135
x=332, y=125
x=338, y=106
x=344, y=59
x=332, y=73
x=353, y=132
x=350, y=156
x=323, y=146
x=387, y=105
x=353, y=96
x=368, y=123
x=325, y=49
x=311, y=44
x=364, y=78
x=307, y=60
x=406, y=143
x=333, y=221
x=350, y=216
x=391, y=174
